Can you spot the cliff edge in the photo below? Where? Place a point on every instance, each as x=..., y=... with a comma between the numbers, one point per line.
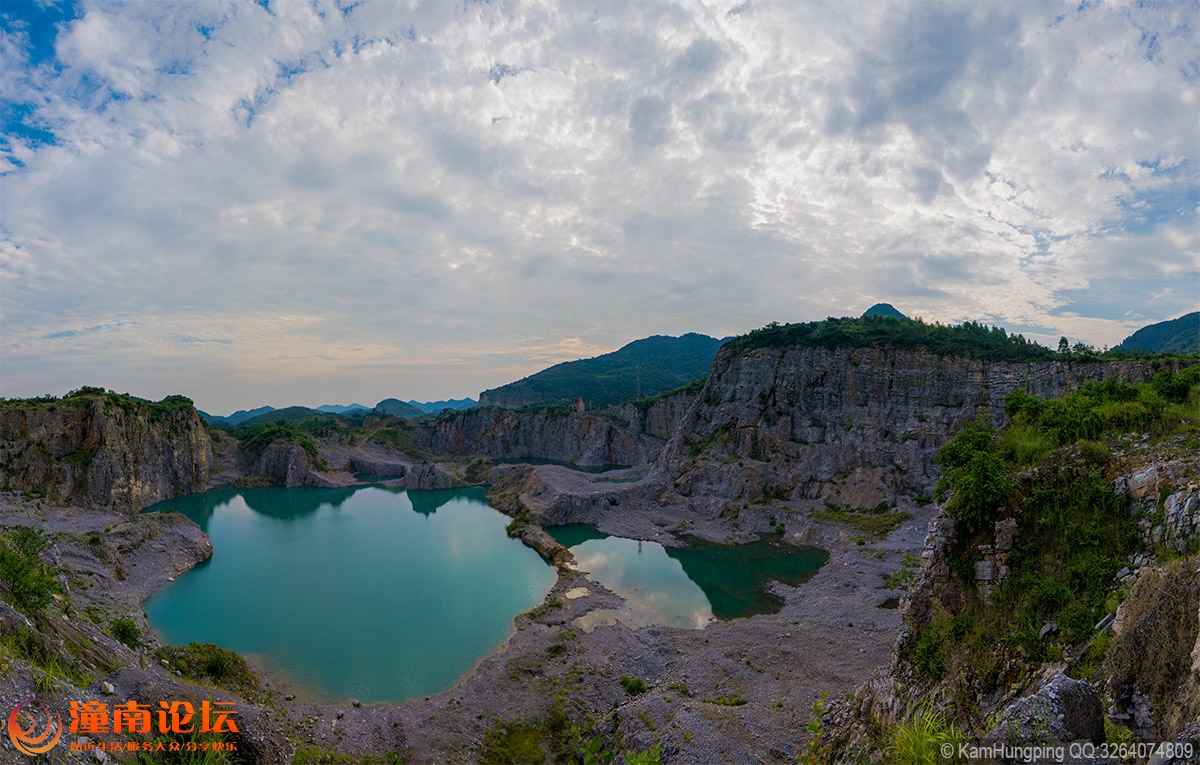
x=103, y=450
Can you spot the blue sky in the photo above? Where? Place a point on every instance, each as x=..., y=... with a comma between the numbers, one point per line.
x=319, y=202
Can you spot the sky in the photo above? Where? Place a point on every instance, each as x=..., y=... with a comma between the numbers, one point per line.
x=325, y=202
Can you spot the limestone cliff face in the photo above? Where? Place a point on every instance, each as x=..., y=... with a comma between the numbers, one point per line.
x=660, y=417
x=549, y=434
x=94, y=453
x=848, y=425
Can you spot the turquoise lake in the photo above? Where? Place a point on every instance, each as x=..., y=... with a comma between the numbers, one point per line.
x=689, y=586
x=363, y=592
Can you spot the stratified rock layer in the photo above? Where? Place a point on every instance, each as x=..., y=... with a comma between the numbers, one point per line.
x=852, y=425
x=96, y=454
x=546, y=434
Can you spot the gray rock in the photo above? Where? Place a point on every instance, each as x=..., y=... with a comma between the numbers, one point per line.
x=1061, y=711
x=103, y=455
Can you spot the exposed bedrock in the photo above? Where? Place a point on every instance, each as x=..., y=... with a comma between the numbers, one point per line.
x=95, y=454
x=546, y=434
x=853, y=426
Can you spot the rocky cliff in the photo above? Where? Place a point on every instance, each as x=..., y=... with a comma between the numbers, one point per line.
x=548, y=434
x=853, y=426
x=103, y=451
x=659, y=417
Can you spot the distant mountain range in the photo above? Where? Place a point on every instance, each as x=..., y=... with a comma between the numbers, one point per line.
x=339, y=409
x=1180, y=335
x=663, y=363
x=391, y=406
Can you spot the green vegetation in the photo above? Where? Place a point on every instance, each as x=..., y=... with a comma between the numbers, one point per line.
x=876, y=520
x=513, y=742
x=210, y=663
x=920, y=740
x=693, y=388
x=666, y=363
x=254, y=439
x=551, y=605
x=970, y=339
x=30, y=582
x=157, y=411
x=906, y=575
x=633, y=685
x=1050, y=470
x=126, y=630
x=594, y=753
x=27, y=645
x=398, y=437
x=816, y=751
x=727, y=701
x=977, y=475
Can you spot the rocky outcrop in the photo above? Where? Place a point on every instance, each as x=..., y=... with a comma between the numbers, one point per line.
x=1060, y=711
x=90, y=452
x=852, y=425
x=546, y=434
x=291, y=465
x=659, y=417
x=424, y=477
x=378, y=467
x=1167, y=493
x=553, y=500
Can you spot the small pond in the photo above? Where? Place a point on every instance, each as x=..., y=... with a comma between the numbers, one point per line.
x=689, y=586
x=364, y=592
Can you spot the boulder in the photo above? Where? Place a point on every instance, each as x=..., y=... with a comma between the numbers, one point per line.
x=1062, y=710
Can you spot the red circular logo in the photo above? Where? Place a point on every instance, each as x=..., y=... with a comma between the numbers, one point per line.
x=22, y=727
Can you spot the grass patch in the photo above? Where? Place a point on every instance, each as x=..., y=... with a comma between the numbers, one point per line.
x=398, y=437
x=209, y=663
x=548, y=607
x=872, y=520
x=509, y=743
x=921, y=740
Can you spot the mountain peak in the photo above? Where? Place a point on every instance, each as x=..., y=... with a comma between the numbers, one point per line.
x=884, y=309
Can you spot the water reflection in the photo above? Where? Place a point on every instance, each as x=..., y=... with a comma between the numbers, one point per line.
x=687, y=587
x=361, y=591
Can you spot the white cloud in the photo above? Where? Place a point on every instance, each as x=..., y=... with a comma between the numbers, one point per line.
x=359, y=199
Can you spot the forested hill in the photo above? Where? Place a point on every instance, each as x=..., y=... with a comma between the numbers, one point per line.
x=970, y=339
x=666, y=363
x=1180, y=335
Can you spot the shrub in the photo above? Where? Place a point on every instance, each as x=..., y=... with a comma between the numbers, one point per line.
x=205, y=660
x=126, y=630
x=30, y=581
x=1152, y=654
x=816, y=750
x=633, y=685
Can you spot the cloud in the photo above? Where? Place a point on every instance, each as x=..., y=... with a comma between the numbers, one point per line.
x=426, y=200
